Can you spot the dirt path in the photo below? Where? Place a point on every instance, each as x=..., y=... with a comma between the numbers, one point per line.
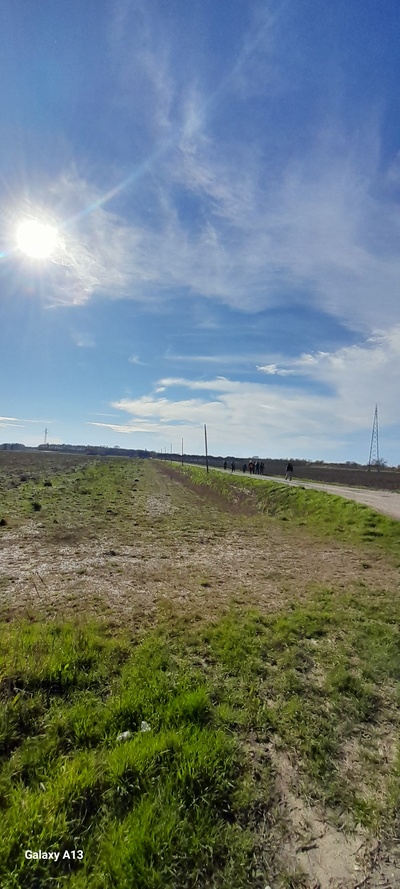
x=183, y=548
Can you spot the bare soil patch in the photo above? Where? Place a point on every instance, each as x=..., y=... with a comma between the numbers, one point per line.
x=320, y=850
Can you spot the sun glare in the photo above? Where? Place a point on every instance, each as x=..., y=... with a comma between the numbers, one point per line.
x=37, y=239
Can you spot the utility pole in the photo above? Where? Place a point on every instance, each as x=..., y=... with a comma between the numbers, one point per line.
x=171, y=452
x=205, y=440
x=182, y=451
x=45, y=437
x=374, y=449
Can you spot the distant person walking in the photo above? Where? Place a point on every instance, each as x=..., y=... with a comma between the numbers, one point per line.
x=258, y=468
x=225, y=464
x=251, y=467
x=261, y=468
x=289, y=471
x=244, y=467
x=233, y=467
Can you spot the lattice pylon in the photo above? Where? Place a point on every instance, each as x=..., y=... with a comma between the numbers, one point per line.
x=374, y=449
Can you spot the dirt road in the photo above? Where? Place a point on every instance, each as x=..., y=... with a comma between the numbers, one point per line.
x=387, y=502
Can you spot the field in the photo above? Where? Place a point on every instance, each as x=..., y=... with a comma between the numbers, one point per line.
x=384, y=480
x=200, y=680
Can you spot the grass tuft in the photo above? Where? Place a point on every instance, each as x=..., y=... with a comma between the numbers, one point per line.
x=179, y=805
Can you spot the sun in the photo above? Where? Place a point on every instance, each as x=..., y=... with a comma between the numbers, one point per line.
x=37, y=239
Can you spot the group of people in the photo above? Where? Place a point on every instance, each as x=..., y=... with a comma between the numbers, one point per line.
x=257, y=468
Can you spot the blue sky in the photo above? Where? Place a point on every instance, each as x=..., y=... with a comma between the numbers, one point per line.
x=224, y=182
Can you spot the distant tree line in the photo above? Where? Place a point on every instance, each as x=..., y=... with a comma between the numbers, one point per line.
x=96, y=450
x=270, y=463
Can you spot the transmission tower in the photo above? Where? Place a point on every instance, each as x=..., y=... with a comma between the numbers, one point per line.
x=374, y=449
x=45, y=437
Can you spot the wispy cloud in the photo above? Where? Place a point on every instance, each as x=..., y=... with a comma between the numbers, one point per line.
x=10, y=421
x=17, y=421
x=259, y=67
x=219, y=358
x=143, y=70
x=134, y=359
x=126, y=429
x=96, y=243
x=100, y=414
x=219, y=384
x=314, y=237
x=274, y=370
x=322, y=230
x=83, y=340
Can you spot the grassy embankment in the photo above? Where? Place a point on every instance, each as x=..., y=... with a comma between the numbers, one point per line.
x=326, y=515
x=181, y=805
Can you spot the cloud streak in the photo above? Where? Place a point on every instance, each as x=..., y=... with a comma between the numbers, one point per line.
x=21, y=423
x=314, y=238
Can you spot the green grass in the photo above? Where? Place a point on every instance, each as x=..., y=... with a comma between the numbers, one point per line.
x=178, y=806
x=323, y=514
x=147, y=812
x=83, y=500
